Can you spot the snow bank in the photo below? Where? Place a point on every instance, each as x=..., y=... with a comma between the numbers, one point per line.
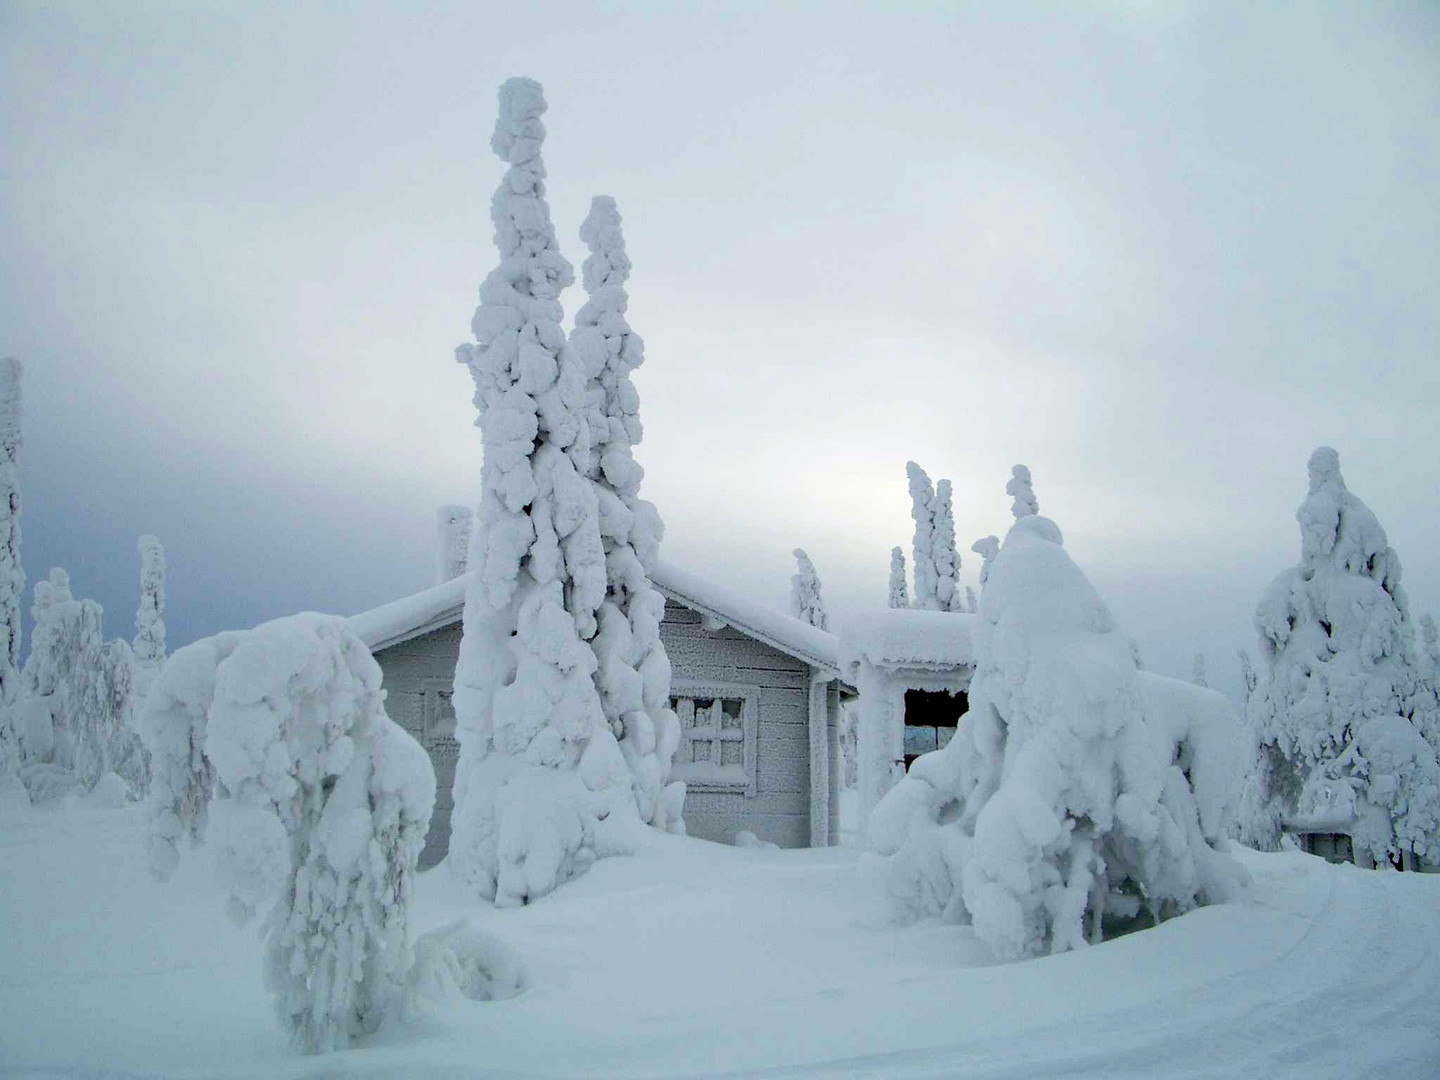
x=1064, y=804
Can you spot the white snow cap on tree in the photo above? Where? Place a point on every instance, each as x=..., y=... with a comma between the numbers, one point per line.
x=539, y=768
x=149, y=617
x=633, y=670
x=987, y=547
x=325, y=805
x=922, y=509
x=899, y=595
x=1023, y=493
x=806, y=603
x=1197, y=672
x=1075, y=790
x=453, y=526
x=1340, y=721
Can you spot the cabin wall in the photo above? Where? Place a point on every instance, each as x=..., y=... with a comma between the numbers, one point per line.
x=419, y=675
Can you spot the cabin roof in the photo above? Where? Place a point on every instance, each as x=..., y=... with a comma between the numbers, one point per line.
x=908, y=637
x=443, y=605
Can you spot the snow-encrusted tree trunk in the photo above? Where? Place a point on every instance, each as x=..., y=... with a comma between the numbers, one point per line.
x=149, y=644
x=1197, y=671
x=539, y=765
x=922, y=509
x=1022, y=492
x=326, y=804
x=899, y=594
x=987, y=547
x=806, y=603
x=453, y=527
x=1340, y=721
x=1075, y=792
x=632, y=669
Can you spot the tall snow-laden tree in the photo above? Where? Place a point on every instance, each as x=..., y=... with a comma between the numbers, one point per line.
x=326, y=802
x=943, y=553
x=632, y=669
x=540, y=770
x=149, y=644
x=922, y=509
x=1248, y=679
x=1197, y=671
x=1021, y=491
x=1340, y=720
x=806, y=603
x=12, y=573
x=1077, y=792
x=899, y=594
x=987, y=547
x=453, y=526
x=972, y=602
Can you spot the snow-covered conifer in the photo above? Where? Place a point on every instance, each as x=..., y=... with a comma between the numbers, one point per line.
x=899, y=595
x=149, y=646
x=1248, y=679
x=1019, y=487
x=632, y=669
x=1076, y=792
x=1197, y=671
x=326, y=803
x=946, y=558
x=922, y=509
x=972, y=602
x=453, y=526
x=1340, y=722
x=806, y=603
x=987, y=547
x=12, y=573
x=540, y=768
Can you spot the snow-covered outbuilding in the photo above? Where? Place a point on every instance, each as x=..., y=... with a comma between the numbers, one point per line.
x=757, y=692
x=912, y=668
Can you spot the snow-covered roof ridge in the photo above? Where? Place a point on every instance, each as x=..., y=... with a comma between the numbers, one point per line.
x=442, y=604
x=909, y=637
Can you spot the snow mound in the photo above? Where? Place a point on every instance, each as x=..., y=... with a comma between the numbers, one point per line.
x=462, y=960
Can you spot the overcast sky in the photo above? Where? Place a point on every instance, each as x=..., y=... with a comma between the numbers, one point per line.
x=1157, y=252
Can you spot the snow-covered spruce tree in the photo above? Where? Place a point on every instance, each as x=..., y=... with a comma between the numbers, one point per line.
x=899, y=594
x=987, y=547
x=149, y=644
x=806, y=603
x=1249, y=680
x=632, y=669
x=1340, y=720
x=327, y=803
x=946, y=558
x=12, y=572
x=1022, y=492
x=453, y=526
x=1197, y=671
x=540, y=769
x=972, y=602
x=1076, y=792
x=922, y=509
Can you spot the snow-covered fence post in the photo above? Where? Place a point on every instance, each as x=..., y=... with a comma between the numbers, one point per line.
x=540, y=768
x=899, y=596
x=453, y=527
x=1339, y=722
x=806, y=603
x=632, y=671
x=326, y=803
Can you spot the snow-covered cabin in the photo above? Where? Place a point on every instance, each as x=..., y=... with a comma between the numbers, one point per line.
x=912, y=669
x=757, y=692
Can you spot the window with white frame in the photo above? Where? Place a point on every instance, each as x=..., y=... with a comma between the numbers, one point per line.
x=718, y=731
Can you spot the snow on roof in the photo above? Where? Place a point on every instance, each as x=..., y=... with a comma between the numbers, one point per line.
x=908, y=637
x=443, y=605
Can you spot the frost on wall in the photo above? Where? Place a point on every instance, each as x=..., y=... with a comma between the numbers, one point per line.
x=540, y=768
x=1076, y=792
x=149, y=645
x=1023, y=494
x=899, y=595
x=922, y=509
x=453, y=526
x=1340, y=721
x=321, y=805
x=987, y=547
x=806, y=603
x=632, y=669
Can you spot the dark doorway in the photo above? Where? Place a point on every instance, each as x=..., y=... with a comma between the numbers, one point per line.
x=930, y=720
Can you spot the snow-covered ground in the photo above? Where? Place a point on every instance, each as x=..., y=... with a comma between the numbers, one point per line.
x=697, y=958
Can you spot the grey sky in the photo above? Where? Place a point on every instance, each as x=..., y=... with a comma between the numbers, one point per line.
x=1156, y=252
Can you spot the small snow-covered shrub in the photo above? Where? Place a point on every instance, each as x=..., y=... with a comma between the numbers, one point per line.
x=462, y=960
x=1075, y=792
x=322, y=803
